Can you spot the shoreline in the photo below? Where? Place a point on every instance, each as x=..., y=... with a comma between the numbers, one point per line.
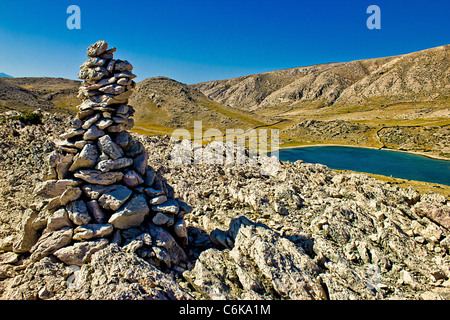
x=375, y=148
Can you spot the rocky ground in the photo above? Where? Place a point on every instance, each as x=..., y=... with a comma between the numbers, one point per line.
x=304, y=233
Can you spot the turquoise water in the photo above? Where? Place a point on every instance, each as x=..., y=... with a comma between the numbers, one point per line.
x=384, y=162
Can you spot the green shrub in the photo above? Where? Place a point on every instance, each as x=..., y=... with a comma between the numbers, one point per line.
x=28, y=118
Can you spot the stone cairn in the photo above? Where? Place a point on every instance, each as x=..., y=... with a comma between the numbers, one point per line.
x=99, y=187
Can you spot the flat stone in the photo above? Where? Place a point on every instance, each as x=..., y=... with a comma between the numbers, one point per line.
x=149, y=176
x=123, y=65
x=113, y=89
x=81, y=252
x=153, y=192
x=71, y=194
x=89, y=122
x=98, y=177
x=157, y=200
x=91, y=231
x=123, y=109
x=93, y=133
x=78, y=212
x=93, y=62
x=58, y=220
x=108, y=165
x=49, y=242
x=170, y=206
x=8, y=258
x=114, y=197
x=87, y=158
x=110, y=148
x=97, y=48
x=132, y=179
x=180, y=230
x=104, y=123
x=72, y=133
x=132, y=214
x=94, y=191
x=161, y=219
x=54, y=188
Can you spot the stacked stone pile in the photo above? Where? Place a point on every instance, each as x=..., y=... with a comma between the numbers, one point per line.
x=98, y=187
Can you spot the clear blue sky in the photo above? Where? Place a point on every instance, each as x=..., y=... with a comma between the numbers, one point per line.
x=201, y=40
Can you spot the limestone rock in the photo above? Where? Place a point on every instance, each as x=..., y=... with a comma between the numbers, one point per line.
x=49, y=242
x=132, y=214
x=78, y=212
x=91, y=231
x=98, y=177
x=80, y=252
x=54, y=188
x=114, y=197
x=110, y=148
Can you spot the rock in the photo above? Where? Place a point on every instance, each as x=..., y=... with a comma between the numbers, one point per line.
x=81, y=252
x=140, y=163
x=259, y=256
x=108, y=165
x=98, y=177
x=122, y=139
x=8, y=258
x=157, y=200
x=71, y=194
x=132, y=214
x=161, y=219
x=163, y=239
x=180, y=230
x=170, y=206
x=28, y=235
x=123, y=65
x=153, y=192
x=96, y=211
x=110, y=148
x=97, y=48
x=132, y=179
x=54, y=188
x=104, y=123
x=49, y=242
x=89, y=122
x=62, y=168
x=58, y=220
x=149, y=177
x=93, y=133
x=78, y=212
x=72, y=133
x=114, y=197
x=91, y=231
x=113, y=274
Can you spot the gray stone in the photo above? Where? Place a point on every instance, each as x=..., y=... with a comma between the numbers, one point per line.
x=97, y=48
x=132, y=214
x=91, y=231
x=104, y=123
x=114, y=197
x=81, y=252
x=170, y=206
x=58, y=220
x=123, y=139
x=161, y=219
x=78, y=212
x=153, y=192
x=93, y=133
x=8, y=258
x=140, y=163
x=110, y=148
x=157, y=200
x=112, y=89
x=49, y=242
x=54, y=188
x=94, y=191
x=179, y=227
x=98, y=177
x=28, y=235
x=96, y=211
x=72, y=133
x=123, y=65
x=71, y=194
x=163, y=239
x=62, y=168
x=108, y=165
x=132, y=179
x=89, y=122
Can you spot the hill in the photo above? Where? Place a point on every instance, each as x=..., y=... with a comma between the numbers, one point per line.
x=4, y=75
